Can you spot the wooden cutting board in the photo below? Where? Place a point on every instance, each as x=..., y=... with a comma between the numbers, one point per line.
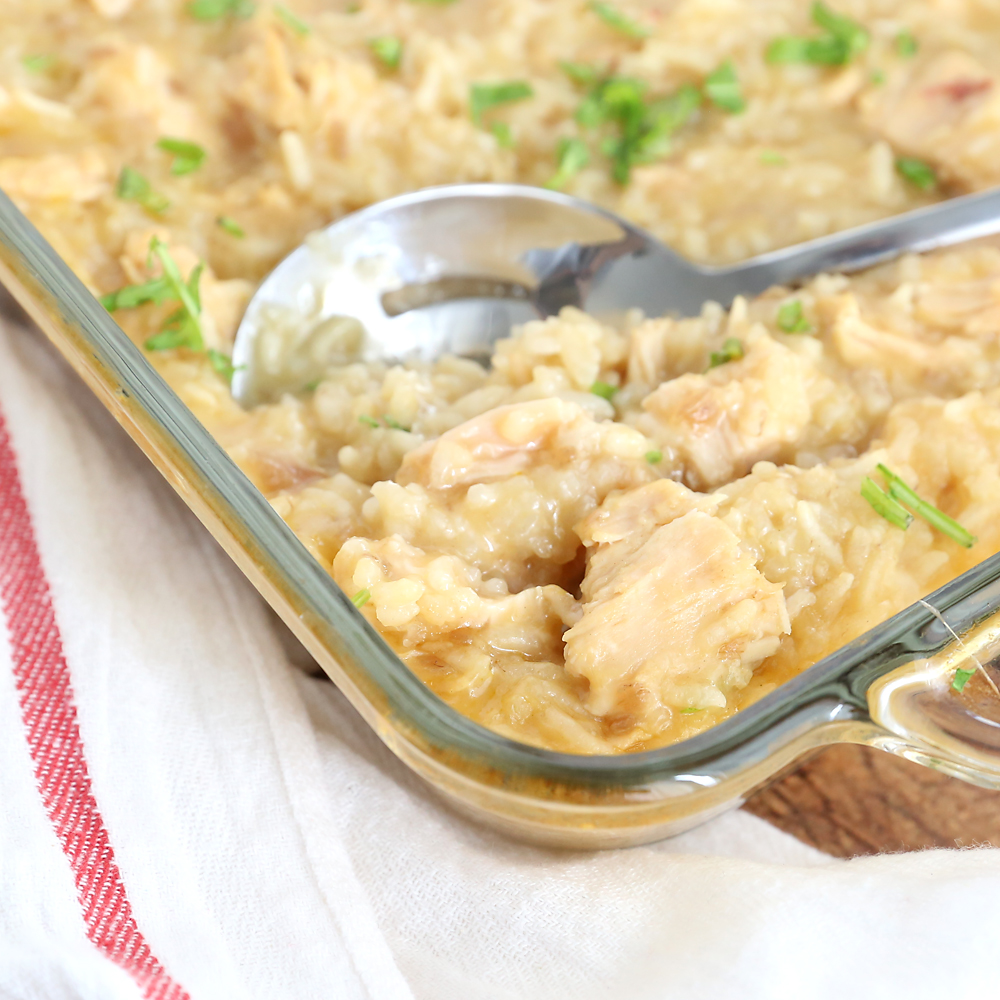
x=852, y=800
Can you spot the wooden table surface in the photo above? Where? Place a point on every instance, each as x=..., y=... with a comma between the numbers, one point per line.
x=852, y=800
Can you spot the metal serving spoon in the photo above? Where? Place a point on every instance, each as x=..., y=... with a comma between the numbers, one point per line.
x=451, y=269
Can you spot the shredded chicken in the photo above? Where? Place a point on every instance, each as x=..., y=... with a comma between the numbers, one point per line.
x=945, y=111
x=675, y=613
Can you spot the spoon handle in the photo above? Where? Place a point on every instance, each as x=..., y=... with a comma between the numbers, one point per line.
x=941, y=225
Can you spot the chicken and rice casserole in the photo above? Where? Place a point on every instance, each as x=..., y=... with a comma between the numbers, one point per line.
x=615, y=537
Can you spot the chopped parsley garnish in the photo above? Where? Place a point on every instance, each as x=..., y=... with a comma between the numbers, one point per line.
x=395, y=424
x=843, y=28
x=582, y=74
x=906, y=45
x=155, y=291
x=231, y=226
x=961, y=678
x=313, y=385
x=653, y=457
x=221, y=363
x=132, y=186
x=843, y=40
x=604, y=389
x=291, y=21
x=572, y=156
x=368, y=421
x=917, y=172
x=502, y=134
x=722, y=88
x=484, y=96
x=614, y=18
x=39, y=63
x=877, y=77
x=188, y=156
x=361, y=598
x=182, y=328
x=388, y=49
x=903, y=494
x=732, y=350
x=884, y=505
x=791, y=318
x=214, y=10
x=773, y=159
x=644, y=127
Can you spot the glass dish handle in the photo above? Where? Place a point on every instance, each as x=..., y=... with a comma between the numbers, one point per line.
x=943, y=710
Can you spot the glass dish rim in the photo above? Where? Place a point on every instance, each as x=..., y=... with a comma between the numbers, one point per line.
x=842, y=676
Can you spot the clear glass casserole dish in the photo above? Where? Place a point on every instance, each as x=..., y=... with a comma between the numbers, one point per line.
x=890, y=688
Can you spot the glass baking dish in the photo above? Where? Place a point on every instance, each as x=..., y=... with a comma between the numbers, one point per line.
x=890, y=688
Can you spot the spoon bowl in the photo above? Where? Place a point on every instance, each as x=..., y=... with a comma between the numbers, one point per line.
x=451, y=269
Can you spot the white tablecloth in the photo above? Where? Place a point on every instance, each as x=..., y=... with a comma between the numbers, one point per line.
x=212, y=823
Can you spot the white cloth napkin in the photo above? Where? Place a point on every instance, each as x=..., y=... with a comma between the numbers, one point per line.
x=223, y=826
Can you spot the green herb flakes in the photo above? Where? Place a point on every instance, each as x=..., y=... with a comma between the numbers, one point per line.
x=188, y=156
x=920, y=174
x=654, y=457
x=842, y=42
x=503, y=135
x=906, y=45
x=132, y=186
x=644, y=128
x=361, y=598
x=231, y=226
x=156, y=291
x=368, y=421
x=39, y=63
x=290, y=20
x=961, y=678
x=581, y=74
x=182, y=328
x=884, y=505
x=215, y=10
x=388, y=49
x=791, y=319
x=854, y=37
x=484, y=96
x=722, y=88
x=732, y=350
x=222, y=364
x=772, y=159
x=900, y=492
x=572, y=156
x=395, y=424
x=877, y=78
x=614, y=18
x=604, y=389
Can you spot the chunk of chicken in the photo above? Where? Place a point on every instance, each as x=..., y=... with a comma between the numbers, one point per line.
x=504, y=490
x=675, y=614
x=717, y=425
x=911, y=361
x=946, y=110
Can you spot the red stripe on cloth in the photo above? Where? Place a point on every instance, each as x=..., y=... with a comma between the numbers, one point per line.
x=53, y=734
